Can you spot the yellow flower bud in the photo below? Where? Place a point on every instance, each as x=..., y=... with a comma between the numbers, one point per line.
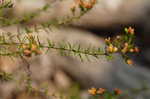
x=25, y=46
x=129, y=61
x=110, y=48
x=115, y=49
x=92, y=91
x=33, y=47
x=132, y=50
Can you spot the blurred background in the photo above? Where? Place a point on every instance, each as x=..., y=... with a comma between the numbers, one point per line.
x=58, y=73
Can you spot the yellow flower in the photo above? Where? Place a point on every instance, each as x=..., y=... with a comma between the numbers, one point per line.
x=112, y=49
x=92, y=91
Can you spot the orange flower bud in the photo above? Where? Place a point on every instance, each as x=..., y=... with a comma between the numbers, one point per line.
x=86, y=4
x=117, y=91
x=136, y=49
x=101, y=91
x=131, y=30
x=27, y=53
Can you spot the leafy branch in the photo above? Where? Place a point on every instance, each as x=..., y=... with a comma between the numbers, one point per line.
x=29, y=44
x=4, y=21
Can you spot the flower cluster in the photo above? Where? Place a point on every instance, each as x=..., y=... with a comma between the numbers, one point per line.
x=123, y=44
x=86, y=4
x=83, y=5
x=31, y=48
x=28, y=45
x=28, y=50
x=102, y=91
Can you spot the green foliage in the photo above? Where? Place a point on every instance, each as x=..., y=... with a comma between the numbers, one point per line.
x=6, y=4
x=5, y=76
